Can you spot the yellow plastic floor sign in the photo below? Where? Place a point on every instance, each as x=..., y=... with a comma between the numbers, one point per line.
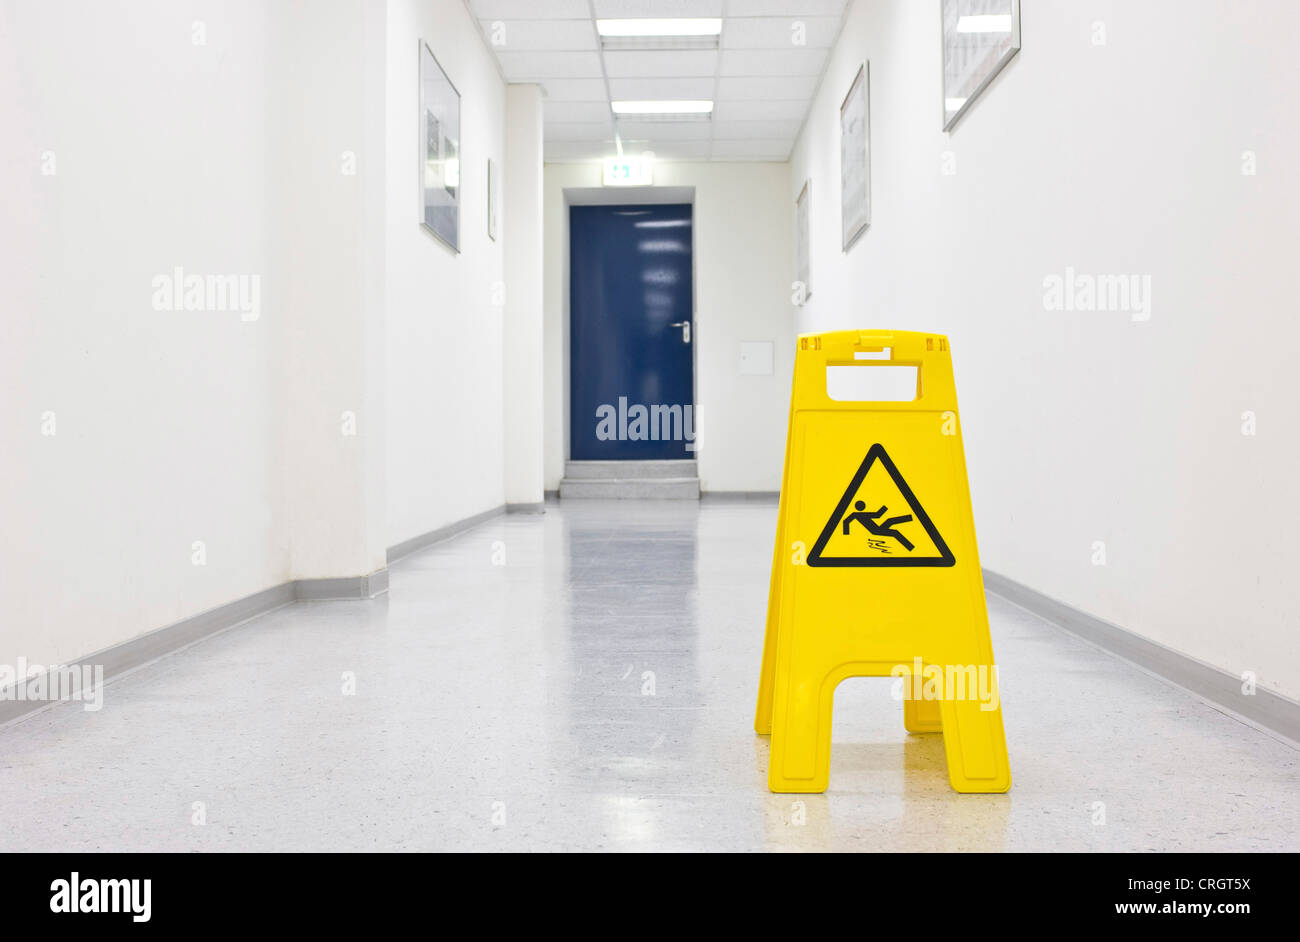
x=876, y=571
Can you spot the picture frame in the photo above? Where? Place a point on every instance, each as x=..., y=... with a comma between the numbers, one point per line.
x=493, y=198
x=855, y=159
x=803, y=255
x=440, y=151
x=979, y=38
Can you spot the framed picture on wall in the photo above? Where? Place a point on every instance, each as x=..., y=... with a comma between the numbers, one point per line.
x=979, y=38
x=855, y=159
x=803, y=287
x=439, y=151
x=493, y=198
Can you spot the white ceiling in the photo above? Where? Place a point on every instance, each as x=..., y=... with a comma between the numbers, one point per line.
x=759, y=79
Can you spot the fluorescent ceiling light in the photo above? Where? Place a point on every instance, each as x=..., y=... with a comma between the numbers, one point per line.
x=953, y=104
x=663, y=107
x=646, y=26
x=985, y=23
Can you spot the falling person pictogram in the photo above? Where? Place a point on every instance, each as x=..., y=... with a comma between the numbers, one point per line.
x=898, y=532
x=882, y=528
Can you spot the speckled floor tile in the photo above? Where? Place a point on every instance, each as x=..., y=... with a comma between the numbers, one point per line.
x=594, y=690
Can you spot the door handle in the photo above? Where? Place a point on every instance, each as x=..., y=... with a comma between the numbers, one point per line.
x=686, y=330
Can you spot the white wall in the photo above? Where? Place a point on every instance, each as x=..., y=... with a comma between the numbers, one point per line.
x=525, y=412
x=270, y=140
x=1123, y=158
x=445, y=451
x=743, y=270
x=166, y=420
x=327, y=281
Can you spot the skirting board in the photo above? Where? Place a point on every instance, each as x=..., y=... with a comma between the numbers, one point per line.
x=346, y=587
x=539, y=507
x=742, y=497
x=1263, y=709
x=129, y=655
x=407, y=547
x=137, y=652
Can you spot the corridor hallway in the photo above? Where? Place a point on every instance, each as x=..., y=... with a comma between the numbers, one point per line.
x=584, y=679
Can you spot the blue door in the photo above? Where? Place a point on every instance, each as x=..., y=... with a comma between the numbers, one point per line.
x=632, y=390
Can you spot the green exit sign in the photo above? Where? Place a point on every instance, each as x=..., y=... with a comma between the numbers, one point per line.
x=628, y=171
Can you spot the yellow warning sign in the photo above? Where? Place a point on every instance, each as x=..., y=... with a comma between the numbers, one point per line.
x=856, y=535
x=875, y=571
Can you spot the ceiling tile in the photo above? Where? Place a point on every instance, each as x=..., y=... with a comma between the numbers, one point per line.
x=634, y=145
x=767, y=88
x=680, y=62
x=778, y=32
x=530, y=9
x=791, y=8
x=759, y=110
x=773, y=62
x=772, y=52
x=575, y=150
x=657, y=8
x=657, y=89
x=575, y=111
x=529, y=35
x=755, y=130
x=575, y=89
x=665, y=130
x=680, y=150
x=574, y=131
x=753, y=150
x=529, y=66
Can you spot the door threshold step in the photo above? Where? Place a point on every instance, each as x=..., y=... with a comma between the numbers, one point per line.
x=630, y=489
x=631, y=470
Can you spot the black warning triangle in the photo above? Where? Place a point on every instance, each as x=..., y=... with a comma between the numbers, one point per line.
x=890, y=546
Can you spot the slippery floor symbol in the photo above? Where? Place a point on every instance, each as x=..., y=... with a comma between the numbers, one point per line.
x=887, y=526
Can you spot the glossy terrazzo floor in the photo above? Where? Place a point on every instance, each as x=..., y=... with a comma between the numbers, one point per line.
x=503, y=701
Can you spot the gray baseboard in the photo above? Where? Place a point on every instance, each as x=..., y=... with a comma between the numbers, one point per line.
x=345, y=587
x=1263, y=709
x=538, y=507
x=742, y=497
x=137, y=652
x=417, y=543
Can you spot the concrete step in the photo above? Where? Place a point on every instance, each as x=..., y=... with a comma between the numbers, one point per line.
x=630, y=489
x=629, y=470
